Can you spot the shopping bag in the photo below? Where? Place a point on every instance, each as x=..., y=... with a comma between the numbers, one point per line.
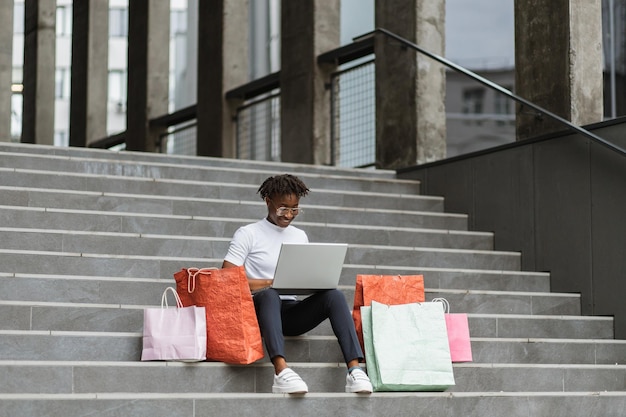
x=458, y=333
x=174, y=334
x=386, y=289
x=406, y=347
x=233, y=334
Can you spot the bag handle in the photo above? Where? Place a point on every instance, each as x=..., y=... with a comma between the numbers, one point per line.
x=191, y=277
x=179, y=304
x=446, y=304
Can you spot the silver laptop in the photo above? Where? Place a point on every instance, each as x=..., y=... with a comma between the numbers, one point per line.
x=304, y=268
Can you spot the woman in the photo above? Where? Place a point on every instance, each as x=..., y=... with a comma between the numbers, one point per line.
x=256, y=246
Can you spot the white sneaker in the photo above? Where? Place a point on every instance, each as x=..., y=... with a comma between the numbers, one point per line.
x=357, y=381
x=289, y=382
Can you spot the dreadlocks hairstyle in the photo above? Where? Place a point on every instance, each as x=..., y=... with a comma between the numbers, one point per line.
x=282, y=185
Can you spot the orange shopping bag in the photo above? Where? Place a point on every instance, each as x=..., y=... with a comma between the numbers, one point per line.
x=233, y=334
x=385, y=289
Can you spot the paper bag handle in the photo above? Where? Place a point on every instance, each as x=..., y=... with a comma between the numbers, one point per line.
x=446, y=304
x=179, y=303
x=191, y=277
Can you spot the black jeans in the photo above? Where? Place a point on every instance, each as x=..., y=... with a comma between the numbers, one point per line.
x=278, y=318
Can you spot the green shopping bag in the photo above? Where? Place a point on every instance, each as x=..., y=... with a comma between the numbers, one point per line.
x=406, y=347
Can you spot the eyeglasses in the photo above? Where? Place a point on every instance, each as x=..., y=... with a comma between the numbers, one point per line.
x=282, y=210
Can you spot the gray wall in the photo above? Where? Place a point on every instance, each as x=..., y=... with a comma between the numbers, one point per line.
x=560, y=201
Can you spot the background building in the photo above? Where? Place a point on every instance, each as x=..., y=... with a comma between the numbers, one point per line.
x=477, y=117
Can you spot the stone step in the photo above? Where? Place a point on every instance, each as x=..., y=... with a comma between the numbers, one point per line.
x=48, y=239
x=242, y=172
x=189, y=161
x=180, y=204
x=197, y=247
x=61, y=315
x=476, y=302
x=64, y=263
x=118, y=346
x=46, y=218
x=121, y=377
x=60, y=262
x=102, y=288
x=202, y=404
x=162, y=174
x=147, y=291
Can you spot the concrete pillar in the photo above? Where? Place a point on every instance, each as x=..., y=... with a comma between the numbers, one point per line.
x=90, y=46
x=6, y=67
x=223, y=32
x=410, y=87
x=558, y=62
x=39, y=71
x=309, y=28
x=148, y=71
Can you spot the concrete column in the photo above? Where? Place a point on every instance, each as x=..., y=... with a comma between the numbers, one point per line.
x=148, y=71
x=309, y=28
x=558, y=62
x=39, y=71
x=6, y=67
x=223, y=32
x=90, y=46
x=410, y=87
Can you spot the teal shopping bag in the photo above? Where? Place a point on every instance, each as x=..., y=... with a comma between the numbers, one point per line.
x=406, y=347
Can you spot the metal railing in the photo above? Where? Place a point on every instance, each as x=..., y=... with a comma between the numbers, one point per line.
x=540, y=110
x=179, y=139
x=353, y=121
x=258, y=129
x=258, y=119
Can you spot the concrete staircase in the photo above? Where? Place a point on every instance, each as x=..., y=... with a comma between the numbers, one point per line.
x=89, y=238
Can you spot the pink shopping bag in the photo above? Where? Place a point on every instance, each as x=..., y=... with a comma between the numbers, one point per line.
x=458, y=333
x=174, y=334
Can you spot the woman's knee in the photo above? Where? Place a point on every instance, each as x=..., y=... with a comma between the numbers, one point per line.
x=335, y=298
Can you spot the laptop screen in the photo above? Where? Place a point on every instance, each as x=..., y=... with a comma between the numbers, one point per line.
x=308, y=267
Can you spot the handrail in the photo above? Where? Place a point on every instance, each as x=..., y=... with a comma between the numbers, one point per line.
x=255, y=88
x=109, y=141
x=493, y=86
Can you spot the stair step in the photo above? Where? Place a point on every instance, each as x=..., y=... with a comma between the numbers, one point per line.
x=112, y=377
x=196, y=404
x=180, y=204
x=146, y=291
x=102, y=288
x=48, y=239
x=20, y=262
x=47, y=218
x=66, y=315
x=197, y=247
x=186, y=160
x=118, y=346
x=152, y=177
x=165, y=265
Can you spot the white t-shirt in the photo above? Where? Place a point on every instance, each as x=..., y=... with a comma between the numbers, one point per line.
x=256, y=246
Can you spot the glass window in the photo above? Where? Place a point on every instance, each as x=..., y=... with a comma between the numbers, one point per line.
x=502, y=104
x=61, y=138
x=118, y=22
x=117, y=88
x=178, y=22
x=62, y=83
x=64, y=20
x=18, y=18
x=473, y=100
x=16, y=116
